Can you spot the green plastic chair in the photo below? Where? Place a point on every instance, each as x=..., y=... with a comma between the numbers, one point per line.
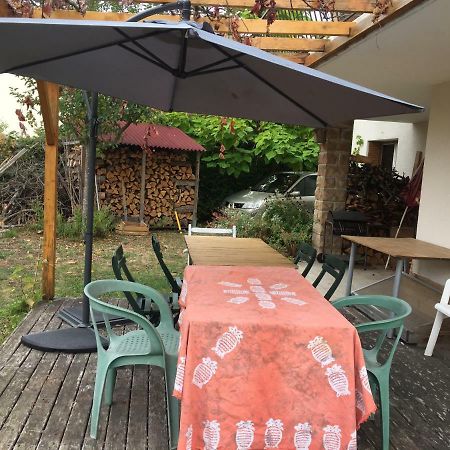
x=379, y=370
x=149, y=345
x=336, y=268
x=307, y=254
x=138, y=302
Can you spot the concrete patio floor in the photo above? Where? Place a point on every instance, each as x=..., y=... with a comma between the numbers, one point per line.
x=45, y=398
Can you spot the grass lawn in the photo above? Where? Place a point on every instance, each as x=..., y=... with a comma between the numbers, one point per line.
x=20, y=267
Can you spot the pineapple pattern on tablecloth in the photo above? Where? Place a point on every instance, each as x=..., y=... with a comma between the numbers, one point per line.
x=211, y=434
x=332, y=437
x=321, y=351
x=204, y=372
x=302, y=436
x=228, y=342
x=353, y=444
x=265, y=298
x=245, y=434
x=338, y=380
x=179, y=378
x=189, y=438
x=365, y=379
x=274, y=433
x=238, y=300
x=360, y=404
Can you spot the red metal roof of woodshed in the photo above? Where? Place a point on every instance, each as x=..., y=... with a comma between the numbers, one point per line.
x=147, y=135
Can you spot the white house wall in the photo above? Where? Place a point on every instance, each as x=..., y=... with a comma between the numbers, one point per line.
x=410, y=137
x=8, y=104
x=434, y=213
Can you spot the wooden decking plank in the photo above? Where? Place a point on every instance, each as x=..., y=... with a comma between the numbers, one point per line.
x=138, y=416
x=42, y=408
x=24, y=405
x=79, y=416
x=56, y=424
x=11, y=344
x=29, y=360
x=157, y=420
x=116, y=434
x=41, y=324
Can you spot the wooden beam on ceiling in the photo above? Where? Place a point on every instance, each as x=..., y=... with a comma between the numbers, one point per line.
x=361, y=29
x=5, y=9
x=289, y=44
x=249, y=26
x=355, y=6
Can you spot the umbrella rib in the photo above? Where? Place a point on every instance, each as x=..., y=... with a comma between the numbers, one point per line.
x=161, y=65
x=206, y=72
x=271, y=85
x=145, y=50
x=78, y=52
x=207, y=66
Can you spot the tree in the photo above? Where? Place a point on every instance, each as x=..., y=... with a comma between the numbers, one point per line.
x=233, y=144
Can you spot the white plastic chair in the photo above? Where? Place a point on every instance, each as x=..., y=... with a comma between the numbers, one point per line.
x=443, y=309
x=212, y=231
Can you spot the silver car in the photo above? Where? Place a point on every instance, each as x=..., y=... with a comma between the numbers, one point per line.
x=301, y=185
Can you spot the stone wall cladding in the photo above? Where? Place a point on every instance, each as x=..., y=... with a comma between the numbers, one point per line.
x=331, y=191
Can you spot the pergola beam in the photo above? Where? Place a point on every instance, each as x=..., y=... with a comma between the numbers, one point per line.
x=355, y=6
x=289, y=44
x=248, y=26
x=360, y=29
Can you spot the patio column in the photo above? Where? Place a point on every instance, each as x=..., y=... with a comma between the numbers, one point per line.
x=48, y=97
x=331, y=191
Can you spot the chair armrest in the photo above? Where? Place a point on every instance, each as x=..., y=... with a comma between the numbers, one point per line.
x=445, y=293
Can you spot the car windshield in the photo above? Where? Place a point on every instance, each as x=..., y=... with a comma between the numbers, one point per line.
x=279, y=182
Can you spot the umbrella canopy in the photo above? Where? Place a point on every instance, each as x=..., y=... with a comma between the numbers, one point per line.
x=181, y=67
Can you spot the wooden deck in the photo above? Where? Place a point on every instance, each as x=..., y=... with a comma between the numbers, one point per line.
x=45, y=399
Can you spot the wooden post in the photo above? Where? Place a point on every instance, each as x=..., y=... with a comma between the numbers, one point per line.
x=142, y=197
x=48, y=95
x=197, y=182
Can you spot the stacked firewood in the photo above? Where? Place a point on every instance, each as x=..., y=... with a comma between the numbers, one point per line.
x=169, y=185
x=376, y=192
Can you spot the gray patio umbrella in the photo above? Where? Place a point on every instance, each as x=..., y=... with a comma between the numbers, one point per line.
x=181, y=67
x=174, y=67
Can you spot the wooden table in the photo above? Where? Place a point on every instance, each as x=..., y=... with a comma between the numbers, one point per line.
x=228, y=251
x=400, y=248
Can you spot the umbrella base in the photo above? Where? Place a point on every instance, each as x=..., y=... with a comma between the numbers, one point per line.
x=74, y=317
x=67, y=340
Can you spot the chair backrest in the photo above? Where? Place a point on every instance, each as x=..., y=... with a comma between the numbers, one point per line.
x=119, y=266
x=336, y=268
x=307, y=254
x=95, y=289
x=170, y=278
x=399, y=310
x=212, y=231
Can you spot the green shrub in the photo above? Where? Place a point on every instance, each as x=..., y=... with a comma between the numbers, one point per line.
x=282, y=223
x=72, y=227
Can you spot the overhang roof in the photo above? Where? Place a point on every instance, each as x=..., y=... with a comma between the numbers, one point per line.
x=147, y=135
x=405, y=58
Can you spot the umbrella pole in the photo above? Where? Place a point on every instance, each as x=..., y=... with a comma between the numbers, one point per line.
x=90, y=181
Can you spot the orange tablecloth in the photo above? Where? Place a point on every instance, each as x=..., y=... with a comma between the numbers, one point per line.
x=266, y=362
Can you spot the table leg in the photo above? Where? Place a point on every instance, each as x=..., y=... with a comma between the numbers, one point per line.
x=398, y=277
x=396, y=288
x=351, y=266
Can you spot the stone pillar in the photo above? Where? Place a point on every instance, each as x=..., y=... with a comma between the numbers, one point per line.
x=331, y=191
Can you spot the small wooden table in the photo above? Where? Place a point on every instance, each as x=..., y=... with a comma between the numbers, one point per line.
x=400, y=248
x=228, y=251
